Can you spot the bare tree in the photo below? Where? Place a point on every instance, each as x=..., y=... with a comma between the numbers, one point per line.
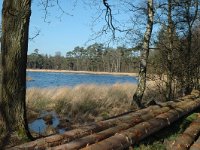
x=137, y=97
x=190, y=15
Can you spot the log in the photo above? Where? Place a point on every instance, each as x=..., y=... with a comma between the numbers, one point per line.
x=135, y=134
x=79, y=143
x=196, y=145
x=90, y=139
x=68, y=136
x=108, y=125
x=184, y=141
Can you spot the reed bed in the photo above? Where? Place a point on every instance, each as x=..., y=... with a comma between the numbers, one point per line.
x=83, y=102
x=89, y=102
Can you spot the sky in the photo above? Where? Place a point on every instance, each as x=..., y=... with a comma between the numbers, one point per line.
x=63, y=33
x=60, y=33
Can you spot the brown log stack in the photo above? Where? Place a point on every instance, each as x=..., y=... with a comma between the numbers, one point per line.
x=119, y=132
x=133, y=135
x=184, y=141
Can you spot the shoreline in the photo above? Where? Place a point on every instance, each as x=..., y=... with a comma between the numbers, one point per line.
x=84, y=72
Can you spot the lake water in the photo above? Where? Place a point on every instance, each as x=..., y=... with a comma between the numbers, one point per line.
x=46, y=79
x=49, y=79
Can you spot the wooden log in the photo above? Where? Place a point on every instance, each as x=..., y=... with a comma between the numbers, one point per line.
x=68, y=136
x=196, y=145
x=136, y=117
x=135, y=134
x=90, y=139
x=79, y=143
x=184, y=141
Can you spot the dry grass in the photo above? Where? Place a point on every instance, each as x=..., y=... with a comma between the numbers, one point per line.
x=90, y=102
x=83, y=102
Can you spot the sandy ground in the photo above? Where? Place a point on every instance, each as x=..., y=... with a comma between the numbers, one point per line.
x=83, y=72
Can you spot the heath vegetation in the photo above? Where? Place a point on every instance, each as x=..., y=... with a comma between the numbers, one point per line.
x=84, y=103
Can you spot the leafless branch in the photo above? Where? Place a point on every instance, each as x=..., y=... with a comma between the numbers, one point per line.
x=109, y=17
x=51, y=3
x=61, y=9
x=45, y=5
x=37, y=33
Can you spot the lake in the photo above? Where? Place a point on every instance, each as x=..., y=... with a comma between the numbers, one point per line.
x=51, y=79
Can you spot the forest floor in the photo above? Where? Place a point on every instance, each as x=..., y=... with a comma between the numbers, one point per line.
x=83, y=72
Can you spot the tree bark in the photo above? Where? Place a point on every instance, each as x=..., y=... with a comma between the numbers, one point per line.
x=169, y=53
x=14, y=45
x=137, y=97
x=185, y=140
x=190, y=22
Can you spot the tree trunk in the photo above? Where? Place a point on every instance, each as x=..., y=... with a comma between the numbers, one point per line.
x=14, y=45
x=190, y=19
x=137, y=97
x=169, y=53
x=189, y=82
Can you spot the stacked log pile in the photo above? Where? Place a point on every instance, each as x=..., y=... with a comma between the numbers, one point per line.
x=185, y=140
x=119, y=132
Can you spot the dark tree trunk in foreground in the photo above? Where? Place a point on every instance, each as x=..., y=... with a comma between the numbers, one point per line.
x=14, y=45
x=137, y=97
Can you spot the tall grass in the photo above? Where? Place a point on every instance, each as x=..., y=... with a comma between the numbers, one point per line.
x=83, y=102
x=90, y=102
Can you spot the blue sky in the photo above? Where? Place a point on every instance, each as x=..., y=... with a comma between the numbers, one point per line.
x=64, y=33
x=61, y=34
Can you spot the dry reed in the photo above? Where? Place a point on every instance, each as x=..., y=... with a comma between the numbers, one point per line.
x=91, y=102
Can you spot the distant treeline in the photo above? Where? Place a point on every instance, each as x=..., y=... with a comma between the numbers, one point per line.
x=95, y=57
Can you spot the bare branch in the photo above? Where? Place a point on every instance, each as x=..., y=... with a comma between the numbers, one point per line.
x=109, y=17
x=52, y=3
x=61, y=9
x=37, y=33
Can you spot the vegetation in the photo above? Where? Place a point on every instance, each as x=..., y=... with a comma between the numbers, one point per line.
x=175, y=46
x=83, y=103
x=174, y=62
x=95, y=57
x=90, y=102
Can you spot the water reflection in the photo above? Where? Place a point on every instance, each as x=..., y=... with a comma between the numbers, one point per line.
x=39, y=125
